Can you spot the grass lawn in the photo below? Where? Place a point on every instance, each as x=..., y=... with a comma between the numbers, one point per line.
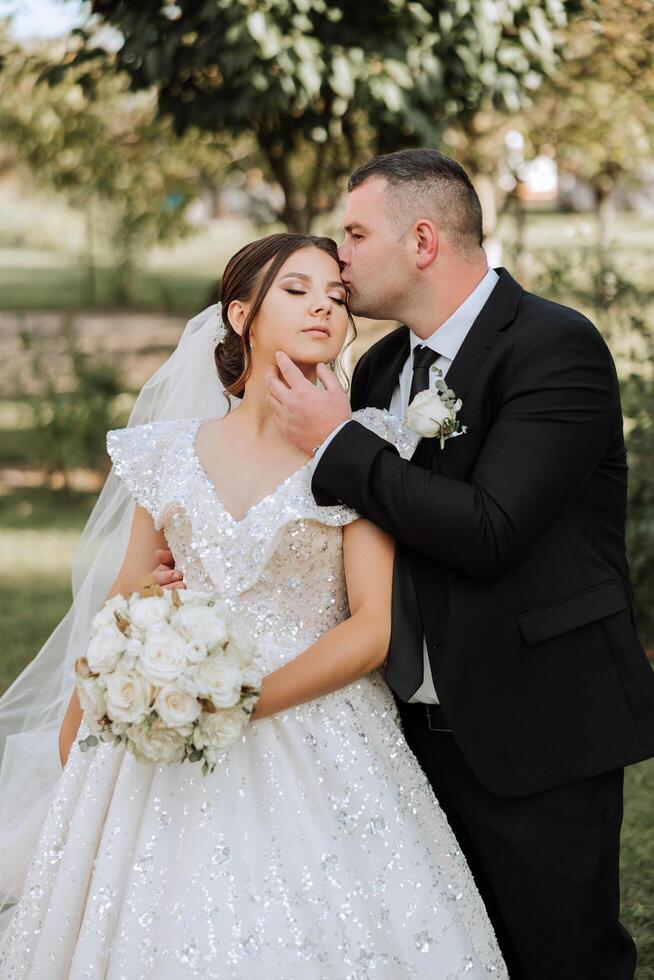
x=38, y=532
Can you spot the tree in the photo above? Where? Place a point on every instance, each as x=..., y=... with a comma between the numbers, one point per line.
x=597, y=110
x=320, y=84
x=106, y=148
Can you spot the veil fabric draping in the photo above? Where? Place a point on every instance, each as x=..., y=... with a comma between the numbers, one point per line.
x=32, y=710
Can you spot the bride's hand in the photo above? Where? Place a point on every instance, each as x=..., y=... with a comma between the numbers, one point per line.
x=165, y=574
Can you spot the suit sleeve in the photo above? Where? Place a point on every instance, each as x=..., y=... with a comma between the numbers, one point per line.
x=559, y=408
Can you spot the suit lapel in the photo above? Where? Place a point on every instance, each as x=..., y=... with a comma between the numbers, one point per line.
x=495, y=316
x=386, y=378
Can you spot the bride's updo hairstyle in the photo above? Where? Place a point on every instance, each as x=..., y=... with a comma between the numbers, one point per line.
x=248, y=277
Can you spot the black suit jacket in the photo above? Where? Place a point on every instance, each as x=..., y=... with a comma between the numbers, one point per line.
x=510, y=544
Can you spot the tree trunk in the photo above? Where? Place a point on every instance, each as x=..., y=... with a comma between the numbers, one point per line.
x=523, y=257
x=295, y=213
x=91, y=290
x=485, y=187
x=605, y=198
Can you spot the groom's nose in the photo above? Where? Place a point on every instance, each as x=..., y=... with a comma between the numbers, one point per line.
x=344, y=254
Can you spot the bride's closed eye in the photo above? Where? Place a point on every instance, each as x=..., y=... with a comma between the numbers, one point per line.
x=301, y=292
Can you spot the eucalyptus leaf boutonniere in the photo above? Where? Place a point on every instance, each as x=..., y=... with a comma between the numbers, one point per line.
x=433, y=413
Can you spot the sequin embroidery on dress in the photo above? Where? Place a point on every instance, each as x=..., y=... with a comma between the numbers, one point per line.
x=316, y=851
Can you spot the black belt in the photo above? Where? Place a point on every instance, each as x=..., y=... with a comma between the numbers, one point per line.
x=433, y=715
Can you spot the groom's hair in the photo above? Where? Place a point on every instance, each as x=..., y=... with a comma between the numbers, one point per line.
x=426, y=183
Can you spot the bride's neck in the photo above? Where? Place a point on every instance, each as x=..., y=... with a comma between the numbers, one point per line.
x=254, y=408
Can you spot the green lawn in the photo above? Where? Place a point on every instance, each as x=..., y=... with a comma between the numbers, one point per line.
x=38, y=531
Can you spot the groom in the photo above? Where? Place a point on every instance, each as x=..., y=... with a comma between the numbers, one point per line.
x=521, y=684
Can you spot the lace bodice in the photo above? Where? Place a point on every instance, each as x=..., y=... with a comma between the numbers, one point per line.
x=281, y=566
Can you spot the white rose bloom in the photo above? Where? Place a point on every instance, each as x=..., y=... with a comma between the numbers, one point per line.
x=131, y=653
x=91, y=698
x=190, y=597
x=175, y=707
x=128, y=696
x=163, y=657
x=196, y=651
x=203, y=623
x=216, y=678
x=220, y=729
x=156, y=744
x=105, y=649
x=240, y=648
x=251, y=676
x=426, y=414
x=106, y=615
x=148, y=612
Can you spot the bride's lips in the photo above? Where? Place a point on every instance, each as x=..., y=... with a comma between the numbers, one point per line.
x=318, y=331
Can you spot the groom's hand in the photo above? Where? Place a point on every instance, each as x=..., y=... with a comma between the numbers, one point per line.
x=165, y=574
x=306, y=414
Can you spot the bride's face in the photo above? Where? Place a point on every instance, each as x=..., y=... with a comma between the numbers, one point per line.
x=304, y=313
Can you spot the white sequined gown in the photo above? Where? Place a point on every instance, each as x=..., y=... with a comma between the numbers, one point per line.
x=316, y=851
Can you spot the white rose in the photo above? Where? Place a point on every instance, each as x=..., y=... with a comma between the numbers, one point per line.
x=220, y=729
x=251, y=676
x=105, y=649
x=216, y=678
x=131, y=653
x=91, y=698
x=426, y=414
x=128, y=696
x=191, y=597
x=175, y=707
x=203, y=623
x=240, y=647
x=163, y=657
x=106, y=615
x=147, y=612
x=196, y=651
x=156, y=743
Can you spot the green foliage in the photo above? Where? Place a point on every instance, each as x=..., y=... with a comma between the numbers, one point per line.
x=596, y=111
x=106, y=149
x=623, y=310
x=320, y=84
x=69, y=426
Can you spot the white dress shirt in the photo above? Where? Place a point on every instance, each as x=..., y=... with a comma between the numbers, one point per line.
x=446, y=341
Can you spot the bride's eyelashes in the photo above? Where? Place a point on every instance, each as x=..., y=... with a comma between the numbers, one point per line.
x=301, y=292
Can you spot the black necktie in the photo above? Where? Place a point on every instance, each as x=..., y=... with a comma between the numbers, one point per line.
x=423, y=358
x=405, y=668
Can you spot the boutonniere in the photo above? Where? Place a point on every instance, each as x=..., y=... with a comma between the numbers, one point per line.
x=433, y=413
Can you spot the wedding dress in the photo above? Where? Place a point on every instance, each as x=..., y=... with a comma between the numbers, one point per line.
x=316, y=849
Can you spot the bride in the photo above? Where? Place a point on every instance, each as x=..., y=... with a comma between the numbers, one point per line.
x=316, y=848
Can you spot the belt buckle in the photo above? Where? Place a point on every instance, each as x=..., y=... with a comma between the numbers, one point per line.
x=434, y=728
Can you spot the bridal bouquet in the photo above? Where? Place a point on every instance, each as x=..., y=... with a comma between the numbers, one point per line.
x=170, y=674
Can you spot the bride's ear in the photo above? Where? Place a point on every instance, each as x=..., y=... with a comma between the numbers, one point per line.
x=237, y=315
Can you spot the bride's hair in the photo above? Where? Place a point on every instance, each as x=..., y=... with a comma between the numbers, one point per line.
x=248, y=277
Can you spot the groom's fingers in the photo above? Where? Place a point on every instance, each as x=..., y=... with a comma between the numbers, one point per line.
x=289, y=371
x=328, y=378
x=277, y=390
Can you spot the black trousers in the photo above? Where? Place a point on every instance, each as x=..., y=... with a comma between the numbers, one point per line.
x=546, y=865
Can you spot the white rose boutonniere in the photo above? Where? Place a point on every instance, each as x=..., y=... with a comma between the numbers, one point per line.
x=433, y=412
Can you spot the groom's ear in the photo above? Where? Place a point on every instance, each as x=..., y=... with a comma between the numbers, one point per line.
x=425, y=242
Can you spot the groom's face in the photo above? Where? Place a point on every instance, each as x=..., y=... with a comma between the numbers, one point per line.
x=375, y=263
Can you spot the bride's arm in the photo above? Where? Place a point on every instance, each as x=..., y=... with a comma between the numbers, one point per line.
x=354, y=647
x=144, y=540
